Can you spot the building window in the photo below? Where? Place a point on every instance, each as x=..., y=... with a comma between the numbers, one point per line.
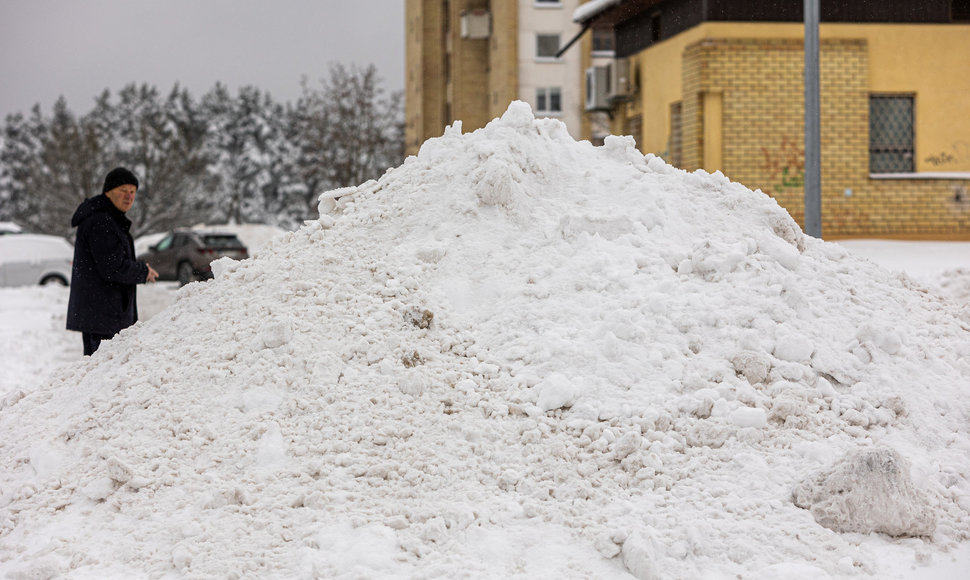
x=549, y=100
x=547, y=45
x=603, y=40
x=891, y=134
x=676, y=144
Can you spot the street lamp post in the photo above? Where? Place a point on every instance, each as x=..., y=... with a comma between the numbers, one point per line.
x=813, y=138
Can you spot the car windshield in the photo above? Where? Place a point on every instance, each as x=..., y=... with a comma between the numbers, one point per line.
x=221, y=241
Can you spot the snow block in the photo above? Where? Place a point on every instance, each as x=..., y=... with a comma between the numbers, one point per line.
x=865, y=492
x=556, y=392
x=752, y=365
x=640, y=556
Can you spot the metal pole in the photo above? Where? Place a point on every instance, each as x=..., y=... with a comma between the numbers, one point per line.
x=813, y=132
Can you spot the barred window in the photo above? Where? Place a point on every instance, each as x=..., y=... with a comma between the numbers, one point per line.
x=891, y=134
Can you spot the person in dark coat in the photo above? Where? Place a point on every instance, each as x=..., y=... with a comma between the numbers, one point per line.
x=105, y=271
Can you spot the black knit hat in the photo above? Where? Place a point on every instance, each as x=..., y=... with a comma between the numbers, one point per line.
x=117, y=177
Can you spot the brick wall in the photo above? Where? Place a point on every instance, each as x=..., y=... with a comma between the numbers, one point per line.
x=761, y=84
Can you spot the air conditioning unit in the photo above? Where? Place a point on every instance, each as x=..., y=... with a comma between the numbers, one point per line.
x=598, y=86
x=622, y=80
x=476, y=24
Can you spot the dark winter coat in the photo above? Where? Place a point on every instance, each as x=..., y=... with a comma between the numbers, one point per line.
x=105, y=270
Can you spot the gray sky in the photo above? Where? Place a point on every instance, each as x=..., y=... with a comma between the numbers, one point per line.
x=78, y=48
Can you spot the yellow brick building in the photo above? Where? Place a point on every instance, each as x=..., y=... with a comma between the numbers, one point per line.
x=724, y=91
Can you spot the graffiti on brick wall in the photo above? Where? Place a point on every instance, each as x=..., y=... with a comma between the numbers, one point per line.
x=960, y=196
x=958, y=153
x=785, y=165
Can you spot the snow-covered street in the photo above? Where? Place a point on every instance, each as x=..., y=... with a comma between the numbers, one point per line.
x=514, y=356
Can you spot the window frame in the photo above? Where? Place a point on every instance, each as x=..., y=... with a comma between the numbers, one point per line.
x=909, y=150
x=603, y=52
x=545, y=94
x=552, y=58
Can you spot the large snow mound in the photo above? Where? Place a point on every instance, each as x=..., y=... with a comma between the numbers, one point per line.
x=515, y=355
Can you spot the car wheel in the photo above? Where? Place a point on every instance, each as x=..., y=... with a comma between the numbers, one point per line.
x=185, y=274
x=53, y=279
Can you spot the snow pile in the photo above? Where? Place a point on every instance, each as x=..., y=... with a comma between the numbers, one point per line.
x=514, y=356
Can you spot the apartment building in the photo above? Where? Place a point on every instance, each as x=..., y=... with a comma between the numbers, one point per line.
x=468, y=59
x=718, y=85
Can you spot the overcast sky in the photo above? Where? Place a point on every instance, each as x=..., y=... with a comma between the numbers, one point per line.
x=78, y=48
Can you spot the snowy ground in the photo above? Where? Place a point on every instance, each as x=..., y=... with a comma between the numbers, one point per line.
x=486, y=365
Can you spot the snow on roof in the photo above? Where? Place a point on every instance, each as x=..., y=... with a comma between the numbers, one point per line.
x=590, y=9
x=515, y=355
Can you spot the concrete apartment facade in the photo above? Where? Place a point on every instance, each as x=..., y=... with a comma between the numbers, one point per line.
x=468, y=59
x=718, y=85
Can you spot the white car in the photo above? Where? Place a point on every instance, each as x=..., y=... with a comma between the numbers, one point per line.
x=28, y=259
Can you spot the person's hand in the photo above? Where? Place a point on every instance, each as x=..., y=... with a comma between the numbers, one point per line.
x=152, y=274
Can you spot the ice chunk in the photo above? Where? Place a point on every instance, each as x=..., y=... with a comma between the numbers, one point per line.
x=868, y=491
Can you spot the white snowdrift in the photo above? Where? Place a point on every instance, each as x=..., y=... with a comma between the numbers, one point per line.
x=516, y=355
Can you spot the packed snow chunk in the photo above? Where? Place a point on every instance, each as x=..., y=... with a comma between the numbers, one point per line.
x=884, y=339
x=868, y=491
x=749, y=417
x=328, y=200
x=752, y=365
x=556, y=392
x=496, y=184
x=779, y=250
x=223, y=266
x=640, y=556
x=793, y=347
x=98, y=489
x=276, y=334
x=519, y=116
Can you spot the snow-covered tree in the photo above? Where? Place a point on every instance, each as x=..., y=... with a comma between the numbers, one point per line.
x=350, y=130
x=49, y=166
x=242, y=158
x=162, y=141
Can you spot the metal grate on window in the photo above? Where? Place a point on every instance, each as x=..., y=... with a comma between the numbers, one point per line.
x=891, y=134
